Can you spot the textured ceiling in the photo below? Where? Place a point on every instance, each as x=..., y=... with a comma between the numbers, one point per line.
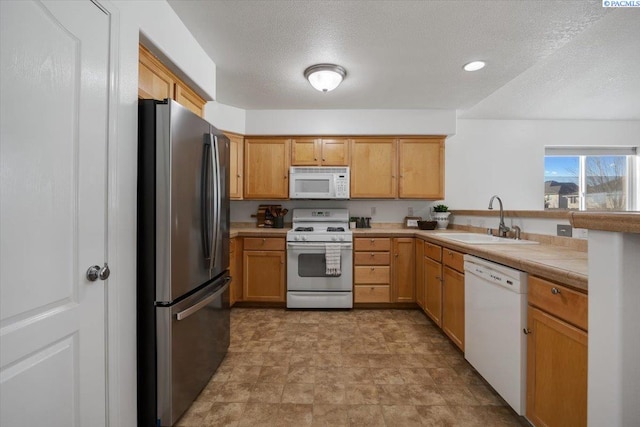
x=398, y=54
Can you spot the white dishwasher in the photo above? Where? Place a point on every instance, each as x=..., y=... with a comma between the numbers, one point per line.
x=495, y=298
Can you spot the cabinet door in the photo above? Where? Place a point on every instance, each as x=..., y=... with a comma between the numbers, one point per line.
x=236, y=149
x=266, y=168
x=263, y=276
x=421, y=168
x=453, y=306
x=188, y=98
x=305, y=152
x=235, y=269
x=556, y=372
x=373, y=168
x=335, y=152
x=419, y=273
x=433, y=289
x=403, y=284
x=154, y=80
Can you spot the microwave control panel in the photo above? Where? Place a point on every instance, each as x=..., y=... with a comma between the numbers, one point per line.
x=342, y=186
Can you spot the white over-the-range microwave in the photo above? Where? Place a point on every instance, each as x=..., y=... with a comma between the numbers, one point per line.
x=322, y=182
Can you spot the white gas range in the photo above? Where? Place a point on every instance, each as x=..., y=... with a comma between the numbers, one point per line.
x=320, y=259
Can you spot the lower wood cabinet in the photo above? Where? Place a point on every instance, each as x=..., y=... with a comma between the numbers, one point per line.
x=372, y=270
x=403, y=283
x=433, y=289
x=235, y=270
x=264, y=270
x=557, y=349
x=453, y=305
x=419, y=274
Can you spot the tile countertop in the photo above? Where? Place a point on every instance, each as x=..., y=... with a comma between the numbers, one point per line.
x=566, y=266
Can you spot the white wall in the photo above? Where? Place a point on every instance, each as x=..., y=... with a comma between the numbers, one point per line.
x=506, y=157
x=351, y=122
x=173, y=43
x=226, y=117
x=162, y=27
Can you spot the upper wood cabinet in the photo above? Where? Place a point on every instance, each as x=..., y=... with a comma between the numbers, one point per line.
x=236, y=158
x=156, y=81
x=421, y=168
x=266, y=168
x=373, y=168
x=320, y=152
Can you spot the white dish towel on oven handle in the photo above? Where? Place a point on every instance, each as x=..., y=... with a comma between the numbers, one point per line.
x=332, y=256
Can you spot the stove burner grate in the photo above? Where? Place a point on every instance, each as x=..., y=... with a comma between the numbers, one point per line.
x=303, y=229
x=335, y=229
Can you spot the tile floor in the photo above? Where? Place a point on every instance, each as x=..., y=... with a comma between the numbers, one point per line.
x=344, y=368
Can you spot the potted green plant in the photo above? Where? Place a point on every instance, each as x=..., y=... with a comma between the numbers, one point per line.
x=441, y=216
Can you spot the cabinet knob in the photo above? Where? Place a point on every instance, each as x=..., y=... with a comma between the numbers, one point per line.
x=324, y=160
x=438, y=278
x=396, y=255
x=555, y=291
x=264, y=240
x=372, y=240
x=315, y=159
x=372, y=268
x=526, y=331
x=371, y=254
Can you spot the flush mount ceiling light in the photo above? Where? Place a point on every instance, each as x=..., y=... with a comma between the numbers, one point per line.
x=474, y=66
x=325, y=77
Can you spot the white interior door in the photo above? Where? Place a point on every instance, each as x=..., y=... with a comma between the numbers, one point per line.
x=53, y=146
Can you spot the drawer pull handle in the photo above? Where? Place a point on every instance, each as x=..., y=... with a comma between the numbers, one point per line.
x=526, y=331
x=555, y=291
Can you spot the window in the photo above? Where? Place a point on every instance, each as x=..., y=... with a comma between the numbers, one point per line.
x=591, y=178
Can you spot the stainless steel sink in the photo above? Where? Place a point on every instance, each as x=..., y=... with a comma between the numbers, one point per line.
x=483, y=239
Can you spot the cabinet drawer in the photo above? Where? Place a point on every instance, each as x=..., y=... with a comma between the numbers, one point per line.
x=375, y=293
x=372, y=258
x=453, y=259
x=264, y=244
x=560, y=301
x=373, y=244
x=433, y=251
x=371, y=275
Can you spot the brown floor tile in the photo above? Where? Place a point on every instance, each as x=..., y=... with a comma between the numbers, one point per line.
x=386, y=376
x=436, y=416
x=401, y=415
x=365, y=415
x=266, y=393
x=301, y=374
x=361, y=394
x=245, y=374
x=329, y=393
x=273, y=374
x=224, y=414
x=341, y=368
x=297, y=393
x=295, y=415
x=259, y=414
x=325, y=415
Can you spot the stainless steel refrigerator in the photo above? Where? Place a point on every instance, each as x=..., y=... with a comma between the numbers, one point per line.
x=182, y=260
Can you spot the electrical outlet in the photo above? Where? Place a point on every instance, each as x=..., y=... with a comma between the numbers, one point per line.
x=410, y=211
x=373, y=210
x=564, y=230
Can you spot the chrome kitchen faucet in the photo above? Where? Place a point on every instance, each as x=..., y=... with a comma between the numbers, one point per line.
x=502, y=228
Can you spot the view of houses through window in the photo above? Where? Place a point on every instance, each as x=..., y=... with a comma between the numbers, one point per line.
x=590, y=178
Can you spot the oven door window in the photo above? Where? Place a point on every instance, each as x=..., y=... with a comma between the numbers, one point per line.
x=313, y=265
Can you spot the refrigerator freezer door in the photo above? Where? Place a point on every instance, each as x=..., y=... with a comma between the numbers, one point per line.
x=193, y=338
x=184, y=226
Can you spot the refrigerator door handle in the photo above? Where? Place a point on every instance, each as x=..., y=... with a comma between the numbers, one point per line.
x=203, y=303
x=215, y=160
x=204, y=201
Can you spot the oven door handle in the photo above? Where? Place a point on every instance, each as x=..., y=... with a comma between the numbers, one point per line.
x=316, y=245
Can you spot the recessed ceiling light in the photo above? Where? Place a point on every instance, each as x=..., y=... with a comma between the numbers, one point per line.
x=325, y=77
x=474, y=66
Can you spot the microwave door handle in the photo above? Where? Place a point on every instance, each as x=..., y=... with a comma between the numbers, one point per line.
x=215, y=186
x=204, y=202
